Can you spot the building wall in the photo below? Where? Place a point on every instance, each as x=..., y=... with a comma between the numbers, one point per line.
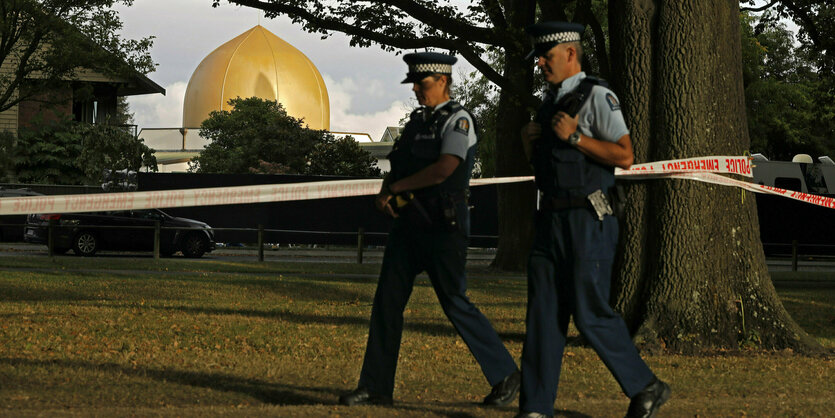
x=45, y=108
x=8, y=118
x=18, y=116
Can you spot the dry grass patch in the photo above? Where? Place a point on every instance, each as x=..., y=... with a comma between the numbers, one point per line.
x=181, y=338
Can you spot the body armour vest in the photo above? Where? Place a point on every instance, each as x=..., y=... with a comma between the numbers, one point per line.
x=562, y=170
x=420, y=146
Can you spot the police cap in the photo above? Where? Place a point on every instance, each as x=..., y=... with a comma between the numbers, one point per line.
x=424, y=64
x=546, y=35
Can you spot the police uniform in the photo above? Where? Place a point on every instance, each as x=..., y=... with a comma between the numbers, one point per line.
x=431, y=235
x=569, y=269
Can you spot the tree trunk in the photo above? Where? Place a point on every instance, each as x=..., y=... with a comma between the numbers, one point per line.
x=516, y=202
x=692, y=273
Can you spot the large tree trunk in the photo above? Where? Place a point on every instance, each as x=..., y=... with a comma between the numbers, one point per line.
x=692, y=272
x=516, y=202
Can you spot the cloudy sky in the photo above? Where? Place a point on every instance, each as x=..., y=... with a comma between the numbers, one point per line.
x=363, y=83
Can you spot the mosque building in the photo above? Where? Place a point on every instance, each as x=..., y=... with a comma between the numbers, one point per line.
x=255, y=63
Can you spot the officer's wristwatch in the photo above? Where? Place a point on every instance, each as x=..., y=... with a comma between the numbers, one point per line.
x=574, y=138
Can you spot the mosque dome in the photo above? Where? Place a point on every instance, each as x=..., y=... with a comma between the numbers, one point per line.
x=257, y=63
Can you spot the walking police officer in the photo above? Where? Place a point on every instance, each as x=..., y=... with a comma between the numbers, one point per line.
x=426, y=192
x=574, y=142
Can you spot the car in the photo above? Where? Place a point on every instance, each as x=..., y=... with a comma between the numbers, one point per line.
x=128, y=230
x=11, y=226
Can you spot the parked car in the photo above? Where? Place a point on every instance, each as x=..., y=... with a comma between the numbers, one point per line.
x=11, y=226
x=87, y=233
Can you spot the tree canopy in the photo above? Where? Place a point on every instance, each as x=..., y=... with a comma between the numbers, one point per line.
x=45, y=42
x=787, y=114
x=258, y=136
x=73, y=153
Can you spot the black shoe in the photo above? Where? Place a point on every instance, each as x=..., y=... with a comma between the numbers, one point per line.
x=646, y=403
x=531, y=415
x=360, y=396
x=505, y=391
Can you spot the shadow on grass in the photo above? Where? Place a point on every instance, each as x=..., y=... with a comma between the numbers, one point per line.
x=571, y=414
x=434, y=329
x=13, y=292
x=272, y=393
x=437, y=328
x=267, y=392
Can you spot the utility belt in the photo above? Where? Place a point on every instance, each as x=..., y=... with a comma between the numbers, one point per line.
x=436, y=212
x=600, y=203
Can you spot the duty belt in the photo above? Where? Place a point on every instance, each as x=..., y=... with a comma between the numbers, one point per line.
x=597, y=201
x=557, y=203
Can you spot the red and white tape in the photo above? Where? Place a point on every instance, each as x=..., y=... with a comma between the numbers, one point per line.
x=814, y=199
x=705, y=169
x=716, y=164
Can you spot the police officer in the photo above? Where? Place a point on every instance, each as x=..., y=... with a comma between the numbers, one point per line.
x=575, y=140
x=426, y=192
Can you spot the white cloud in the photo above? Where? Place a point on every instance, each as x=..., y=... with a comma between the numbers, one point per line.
x=158, y=111
x=344, y=93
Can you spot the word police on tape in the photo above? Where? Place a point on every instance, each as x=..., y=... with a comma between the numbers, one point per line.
x=719, y=164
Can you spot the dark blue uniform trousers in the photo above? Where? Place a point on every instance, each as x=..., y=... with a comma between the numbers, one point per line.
x=569, y=273
x=442, y=255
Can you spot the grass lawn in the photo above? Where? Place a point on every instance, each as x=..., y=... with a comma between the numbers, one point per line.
x=113, y=336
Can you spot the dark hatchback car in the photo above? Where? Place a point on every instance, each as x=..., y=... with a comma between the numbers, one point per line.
x=131, y=230
x=11, y=226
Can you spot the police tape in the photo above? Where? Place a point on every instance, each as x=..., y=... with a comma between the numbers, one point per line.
x=235, y=195
x=713, y=164
x=705, y=169
x=814, y=199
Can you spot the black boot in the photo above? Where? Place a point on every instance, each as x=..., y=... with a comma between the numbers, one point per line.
x=360, y=396
x=646, y=403
x=505, y=391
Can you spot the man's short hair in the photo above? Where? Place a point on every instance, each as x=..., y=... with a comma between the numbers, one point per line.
x=577, y=47
x=447, y=90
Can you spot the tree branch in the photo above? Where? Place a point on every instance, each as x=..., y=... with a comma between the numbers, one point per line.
x=460, y=45
x=552, y=10
x=454, y=27
x=586, y=16
x=20, y=73
x=494, y=12
x=808, y=23
x=758, y=9
x=482, y=66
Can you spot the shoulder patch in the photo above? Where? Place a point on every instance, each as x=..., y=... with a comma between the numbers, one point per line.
x=462, y=125
x=612, y=102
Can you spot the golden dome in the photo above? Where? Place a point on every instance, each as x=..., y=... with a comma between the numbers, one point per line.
x=257, y=63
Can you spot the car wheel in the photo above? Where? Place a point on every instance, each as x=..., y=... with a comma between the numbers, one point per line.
x=194, y=245
x=85, y=244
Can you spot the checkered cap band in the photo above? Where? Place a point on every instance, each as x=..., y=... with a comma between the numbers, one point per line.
x=431, y=68
x=558, y=37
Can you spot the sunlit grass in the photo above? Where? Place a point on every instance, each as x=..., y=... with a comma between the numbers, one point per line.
x=194, y=338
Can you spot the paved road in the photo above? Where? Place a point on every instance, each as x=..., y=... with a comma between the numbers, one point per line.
x=298, y=254
x=374, y=255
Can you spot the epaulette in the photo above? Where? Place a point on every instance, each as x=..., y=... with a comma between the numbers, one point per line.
x=572, y=102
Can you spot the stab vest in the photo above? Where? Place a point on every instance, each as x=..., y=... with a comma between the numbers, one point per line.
x=420, y=146
x=562, y=170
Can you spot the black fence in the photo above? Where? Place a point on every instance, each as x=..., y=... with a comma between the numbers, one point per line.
x=322, y=221
x=787, y=226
